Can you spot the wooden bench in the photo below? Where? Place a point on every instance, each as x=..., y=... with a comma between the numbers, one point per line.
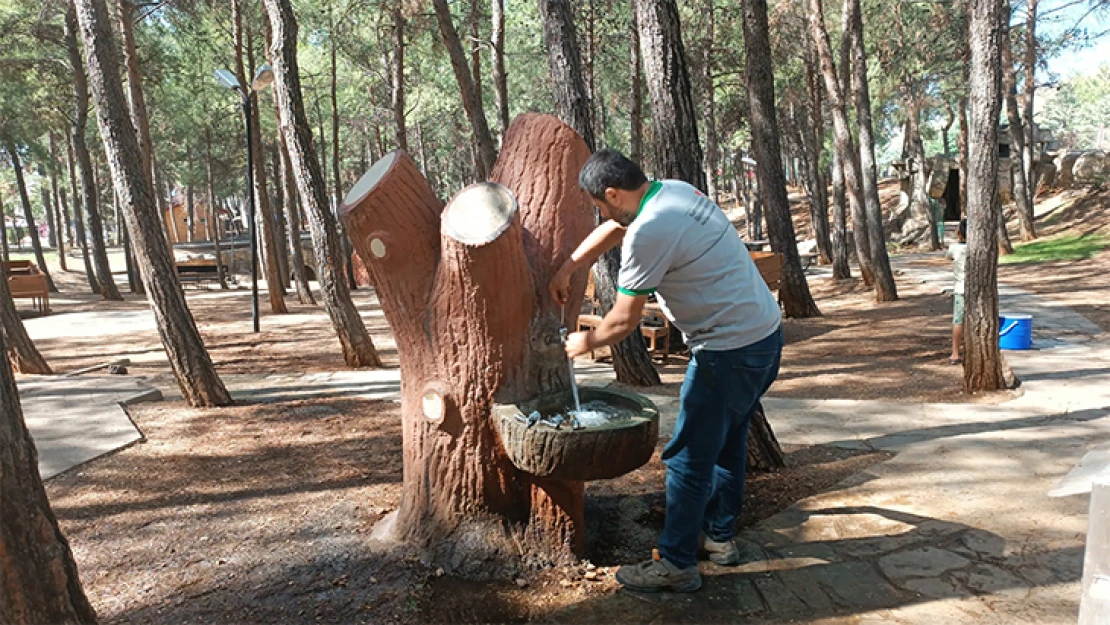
x=654, y=326
x=27, y=282
x=198, y=271
x=769, y=265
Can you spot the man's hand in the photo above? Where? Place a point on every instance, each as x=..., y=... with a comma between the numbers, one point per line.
x=560, y=286
x=579, y=343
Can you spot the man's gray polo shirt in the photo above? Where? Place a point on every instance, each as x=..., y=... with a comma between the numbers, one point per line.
x=683, y=248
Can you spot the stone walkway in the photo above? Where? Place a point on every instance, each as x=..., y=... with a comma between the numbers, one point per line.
x=74, y=420
x=957, y=526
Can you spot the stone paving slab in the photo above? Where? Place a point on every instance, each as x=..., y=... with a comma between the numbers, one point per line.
x=74, y=420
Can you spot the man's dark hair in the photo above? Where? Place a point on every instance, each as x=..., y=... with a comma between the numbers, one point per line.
x=963, y=228
x=609, y=168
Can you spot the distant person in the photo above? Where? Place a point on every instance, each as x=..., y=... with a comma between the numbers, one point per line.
x=958, y=253
x=678, y=244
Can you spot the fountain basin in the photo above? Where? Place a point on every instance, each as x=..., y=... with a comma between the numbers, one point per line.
x=591, y=453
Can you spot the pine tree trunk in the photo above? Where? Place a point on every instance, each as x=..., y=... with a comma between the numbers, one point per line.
x=79, y=218
x=485, y=153
x=1023, y=191
x=920, y=209
x=709, y=104
x=139, y=115
x=4, y=254
x=568, y=84
x=21, y=352
x=358, y=349
x=48, y=210
x=813, y=134
x=213, y=218
x=134, y=282
x=962, y=148
x=264, y=217
x=839, y=237
x=397, y=92
x=764, y=451
x=631, y=360
x=636, y=111
x=463, y=307
x=61, y=210
x=500, y=76
x=794, y=290
x=105, y=282
x=885, y=288
x=293, y=229
x=982, y=359
x=25, y=200
x=40, y=583
x=677, y=151
x=842, y=132
x=281, y=228
x=473, y=22
x=1030, y=87
x=200, y=386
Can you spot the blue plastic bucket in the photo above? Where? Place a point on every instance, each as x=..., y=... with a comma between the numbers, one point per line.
x=1015, y=331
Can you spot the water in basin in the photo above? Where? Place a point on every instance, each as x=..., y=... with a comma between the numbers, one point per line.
x=597, y=413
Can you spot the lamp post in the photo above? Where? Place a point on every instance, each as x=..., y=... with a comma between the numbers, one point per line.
x=262, y=79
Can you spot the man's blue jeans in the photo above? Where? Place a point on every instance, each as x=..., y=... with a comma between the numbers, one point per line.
x=708, y=455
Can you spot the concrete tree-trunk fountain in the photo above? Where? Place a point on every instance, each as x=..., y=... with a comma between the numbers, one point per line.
x=464, y=288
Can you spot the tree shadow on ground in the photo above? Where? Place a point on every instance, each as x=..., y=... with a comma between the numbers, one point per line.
x=833, y=563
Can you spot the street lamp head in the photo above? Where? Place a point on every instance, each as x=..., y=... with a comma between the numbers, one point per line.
x=262, y=78
x=227, y=79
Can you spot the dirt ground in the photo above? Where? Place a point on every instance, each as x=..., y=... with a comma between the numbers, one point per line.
x=860, y=350
x=260, y=513
x=1082, y=285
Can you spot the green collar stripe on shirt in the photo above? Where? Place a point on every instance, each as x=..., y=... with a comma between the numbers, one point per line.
x=653, y=188
x=633, y=292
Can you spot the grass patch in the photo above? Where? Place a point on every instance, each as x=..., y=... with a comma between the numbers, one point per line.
x=1067, y=247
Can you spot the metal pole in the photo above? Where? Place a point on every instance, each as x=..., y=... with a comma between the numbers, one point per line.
x=250, y=210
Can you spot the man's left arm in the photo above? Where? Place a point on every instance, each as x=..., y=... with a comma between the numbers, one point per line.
x=621, y=321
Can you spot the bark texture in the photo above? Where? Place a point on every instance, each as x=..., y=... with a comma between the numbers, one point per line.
x=1029, y=88
x=39, y=583
x=21, y=351
x=813, y=136
x=466, y=296
x=1023, y=191
x=885, y=289
x=293, y=228
x=794, y=290
x=636, y=110
x=842, y=132
x=982, y=359
x=568, y=86
x=922, y=222
x=631, y=360
x=674, y=130
x=500, y=76
x=25, y=201
x=839, y=236
x=358, y=349
x=200, y=386
x=264, y=217
x=79, y=229
x=485, y=153
x=94, y=226
x=139, y=115
x=709, y=104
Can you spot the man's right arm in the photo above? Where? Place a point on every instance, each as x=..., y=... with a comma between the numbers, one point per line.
x=603, y=238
